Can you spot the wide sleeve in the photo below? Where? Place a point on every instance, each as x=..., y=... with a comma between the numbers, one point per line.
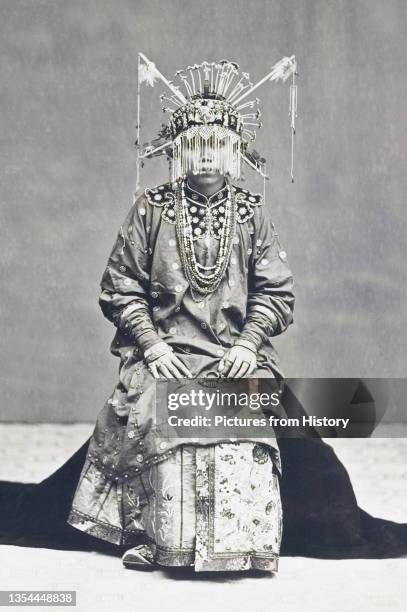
x=125, y=282
x=271, y=299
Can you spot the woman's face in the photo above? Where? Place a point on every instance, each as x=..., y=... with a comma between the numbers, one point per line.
x=206, y=161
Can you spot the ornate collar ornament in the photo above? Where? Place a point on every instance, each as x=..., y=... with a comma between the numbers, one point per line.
x=211, y=125
x=206, y=214
x=210, y=129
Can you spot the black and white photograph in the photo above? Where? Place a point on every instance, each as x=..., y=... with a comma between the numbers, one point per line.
x=203, y=364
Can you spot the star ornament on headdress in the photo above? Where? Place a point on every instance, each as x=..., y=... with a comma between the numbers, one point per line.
x=208, y=112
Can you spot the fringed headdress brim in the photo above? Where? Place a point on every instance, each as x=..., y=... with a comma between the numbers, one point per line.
x=206, y=148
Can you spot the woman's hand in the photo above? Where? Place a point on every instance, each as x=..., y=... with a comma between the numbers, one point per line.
x=169, y=366
x=237, y=362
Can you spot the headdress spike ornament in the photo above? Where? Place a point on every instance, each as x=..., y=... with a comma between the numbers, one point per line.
x=150, y=73
x=280, y=71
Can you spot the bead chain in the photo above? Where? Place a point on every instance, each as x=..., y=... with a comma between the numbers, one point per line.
x=204, y=283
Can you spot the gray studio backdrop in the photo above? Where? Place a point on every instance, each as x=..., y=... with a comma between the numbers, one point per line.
x=68, y=100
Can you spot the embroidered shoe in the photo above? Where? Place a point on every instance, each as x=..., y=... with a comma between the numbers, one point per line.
x=139, y=557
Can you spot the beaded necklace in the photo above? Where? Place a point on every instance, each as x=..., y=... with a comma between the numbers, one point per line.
x=204, y=279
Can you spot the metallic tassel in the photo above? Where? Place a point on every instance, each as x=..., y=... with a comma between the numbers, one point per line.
x=293, y=114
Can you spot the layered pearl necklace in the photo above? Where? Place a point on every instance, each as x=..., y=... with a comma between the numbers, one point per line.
x=204, y=279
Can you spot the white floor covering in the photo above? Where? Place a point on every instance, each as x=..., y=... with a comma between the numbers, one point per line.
x=379, y=475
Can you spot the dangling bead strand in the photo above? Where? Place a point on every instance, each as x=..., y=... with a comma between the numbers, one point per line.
x=204, y=279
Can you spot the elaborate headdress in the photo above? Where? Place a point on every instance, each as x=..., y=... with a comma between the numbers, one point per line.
x=210, y=117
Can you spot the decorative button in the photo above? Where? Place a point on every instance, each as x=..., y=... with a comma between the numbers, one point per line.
x=139, y=458
x=178, y=288
x=251, y=199
x=193, y=209
x=174, y=266
x=172, y=242
x=249, y=251
x=154, y=294
x=122, y=268
x=282, y=255
x=163, y=445
x=131, y=434
x=258, y=242
x=127, y=281
x=172, y=330
x=158, y=197
x=203, y=325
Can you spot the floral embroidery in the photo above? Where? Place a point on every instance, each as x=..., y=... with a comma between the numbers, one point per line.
x=246, y=202
x=260, y=454
x=166, y=509
x=216, y=507
x=164, y=197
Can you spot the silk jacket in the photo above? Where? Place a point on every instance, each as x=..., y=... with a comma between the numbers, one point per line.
x=145, y=293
